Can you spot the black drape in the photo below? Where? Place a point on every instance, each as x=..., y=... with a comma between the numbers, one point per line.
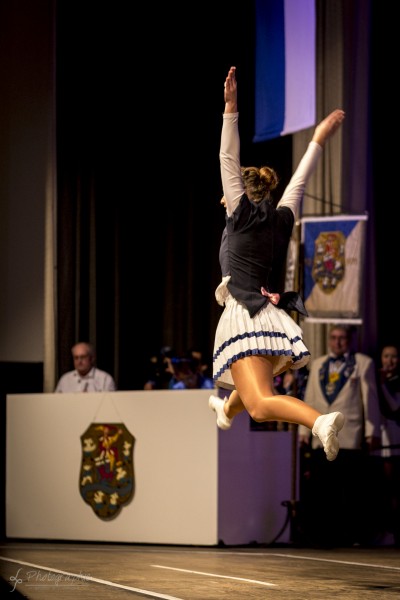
x=139, y=105
x=139, y=101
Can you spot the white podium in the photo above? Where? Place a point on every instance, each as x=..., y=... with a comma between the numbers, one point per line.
x=194, y=484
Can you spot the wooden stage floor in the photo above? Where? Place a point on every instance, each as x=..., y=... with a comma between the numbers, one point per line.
x=53, y=570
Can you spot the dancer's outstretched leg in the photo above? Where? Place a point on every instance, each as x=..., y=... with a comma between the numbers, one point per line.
x=254, y=383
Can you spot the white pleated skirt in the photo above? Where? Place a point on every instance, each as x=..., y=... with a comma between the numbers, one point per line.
x=271, y=332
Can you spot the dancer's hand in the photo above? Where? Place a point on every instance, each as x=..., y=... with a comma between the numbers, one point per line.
x=230, y=91
x=328, y=126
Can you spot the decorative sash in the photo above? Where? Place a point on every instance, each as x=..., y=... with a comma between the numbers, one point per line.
x=333, y=381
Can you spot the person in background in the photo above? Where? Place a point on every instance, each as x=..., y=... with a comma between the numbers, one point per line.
x=85, y=377
x=292, y=383
x=188, y=374
x=256, y=339
x=168, y=371
x=201, y=361
x=345, y=381
x=389, y=399
x=160, y=371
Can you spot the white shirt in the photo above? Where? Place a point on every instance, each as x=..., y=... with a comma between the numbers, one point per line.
x=94, y=381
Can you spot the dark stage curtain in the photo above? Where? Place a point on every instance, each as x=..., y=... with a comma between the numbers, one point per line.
x=139, y=218
x=139, y=99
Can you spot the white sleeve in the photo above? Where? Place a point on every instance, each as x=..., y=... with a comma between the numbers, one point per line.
x=295, y=189
x=229, y=156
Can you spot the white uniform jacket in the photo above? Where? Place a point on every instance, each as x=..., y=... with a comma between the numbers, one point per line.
x=357, y=400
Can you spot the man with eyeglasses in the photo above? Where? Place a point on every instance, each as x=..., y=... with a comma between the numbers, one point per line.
x=85, y=377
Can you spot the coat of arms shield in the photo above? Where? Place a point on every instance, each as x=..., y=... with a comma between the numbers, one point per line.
x=107, y=474
x=329, y=260
x=333, y=265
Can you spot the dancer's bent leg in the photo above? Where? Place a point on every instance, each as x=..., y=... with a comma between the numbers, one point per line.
x=253, y=379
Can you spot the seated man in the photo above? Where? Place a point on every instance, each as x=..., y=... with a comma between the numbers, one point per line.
x=86, y=377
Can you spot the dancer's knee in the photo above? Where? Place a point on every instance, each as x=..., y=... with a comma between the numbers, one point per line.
x=260, y=413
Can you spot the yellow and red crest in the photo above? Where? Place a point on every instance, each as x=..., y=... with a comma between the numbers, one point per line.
x=107, y=475
x=329, y=265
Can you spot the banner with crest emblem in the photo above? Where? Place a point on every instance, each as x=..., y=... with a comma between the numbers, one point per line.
x=107, y=476
x=333, y=252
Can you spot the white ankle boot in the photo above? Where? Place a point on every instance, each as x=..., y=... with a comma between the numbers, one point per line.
x=327, y=427
x=217, y=405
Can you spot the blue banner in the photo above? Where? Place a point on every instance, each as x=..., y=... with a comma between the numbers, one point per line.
x=333, y=251
x=285, y=77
